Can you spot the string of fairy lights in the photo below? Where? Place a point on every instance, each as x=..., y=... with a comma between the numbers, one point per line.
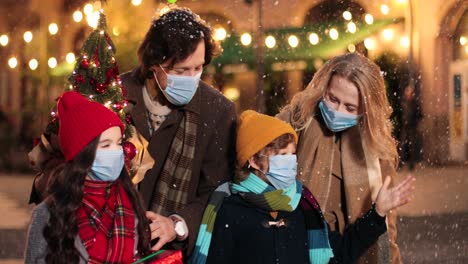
x=89, y=13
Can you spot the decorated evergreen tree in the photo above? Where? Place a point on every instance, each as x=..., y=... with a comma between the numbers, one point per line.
x=96, y=76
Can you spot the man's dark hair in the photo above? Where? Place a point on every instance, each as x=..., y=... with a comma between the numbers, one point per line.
x=173, y=37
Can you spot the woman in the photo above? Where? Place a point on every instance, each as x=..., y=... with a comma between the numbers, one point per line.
x=93, y=213
x=345, y=144
x=266, y=216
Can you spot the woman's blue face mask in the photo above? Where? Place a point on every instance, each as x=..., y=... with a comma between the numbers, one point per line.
x=336, y=121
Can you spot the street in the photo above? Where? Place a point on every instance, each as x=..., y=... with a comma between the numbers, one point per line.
x=432, y=229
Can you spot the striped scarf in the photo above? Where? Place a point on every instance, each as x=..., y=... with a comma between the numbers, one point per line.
x=106, y=223
x=257, y=192
x=172, y=188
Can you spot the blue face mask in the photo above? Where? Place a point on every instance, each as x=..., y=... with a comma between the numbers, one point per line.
x=107, y=165
x=282, y=171
x=336, y=121
x=180, y=89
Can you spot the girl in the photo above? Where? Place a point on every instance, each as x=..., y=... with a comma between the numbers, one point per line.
x=266, y=216
x=93, y=213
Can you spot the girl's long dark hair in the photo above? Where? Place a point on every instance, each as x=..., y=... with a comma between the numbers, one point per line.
x=66, y=195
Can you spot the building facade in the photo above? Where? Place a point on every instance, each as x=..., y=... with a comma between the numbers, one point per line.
x=430, y=36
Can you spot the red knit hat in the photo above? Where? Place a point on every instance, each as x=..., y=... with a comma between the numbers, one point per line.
x=82, y=120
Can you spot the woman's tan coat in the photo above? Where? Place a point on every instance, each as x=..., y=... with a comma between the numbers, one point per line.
x=362, y=176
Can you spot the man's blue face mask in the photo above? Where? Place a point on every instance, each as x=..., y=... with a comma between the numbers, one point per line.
x=336, y=121
x=180, y=89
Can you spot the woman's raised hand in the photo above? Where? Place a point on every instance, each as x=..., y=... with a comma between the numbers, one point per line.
x=392, y=198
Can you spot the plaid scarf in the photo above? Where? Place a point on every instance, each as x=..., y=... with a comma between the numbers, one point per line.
x=259, y=193
x=106, y=223
x=172, y=188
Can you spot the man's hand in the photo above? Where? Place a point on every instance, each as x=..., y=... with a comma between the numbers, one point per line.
x=161, y=227
x=392, y=198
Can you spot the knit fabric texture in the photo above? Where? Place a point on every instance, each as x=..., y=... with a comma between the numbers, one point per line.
x=256, y=131
x=257, y=192
x=82, y=120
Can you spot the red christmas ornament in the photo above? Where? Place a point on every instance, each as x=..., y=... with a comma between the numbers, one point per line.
x=109, y=75
x=129, y=150
x=79, y=79
x=128, y=164
x=129, y=120
x=96, y=58
x=118, y=106
x=85, y=63
x=116, y=70
x=101, y=88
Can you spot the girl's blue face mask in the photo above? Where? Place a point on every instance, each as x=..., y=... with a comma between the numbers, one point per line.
x=282, y=171
x=107, y=165
x=336, y=121
x=180, y=89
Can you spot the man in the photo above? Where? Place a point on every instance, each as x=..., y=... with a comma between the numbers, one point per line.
x=189, y=126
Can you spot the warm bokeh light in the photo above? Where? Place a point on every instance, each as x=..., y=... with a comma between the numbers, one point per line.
x=52, y=62
x=347, y=15
x=369, y=19
x=334, y=34
x=352, y=27
x=384, y=9
x=404, y=42
x=93, y=19
x=88, y=9
x=70, y=58
x=219, y=33
x=28, y=36
x=313, y=38
x=116, y=31
x=270, y=41
x=351, y=48
x=293, y=41
x=4, y=40
x=33, y=64
x=53, y=28
x=369, y=43
x=246, y=39
x=463, y=40
x=231, y=93
x=387, y=34
x=12, y=62
x=136, y=2
x=77, y=16
x=97, y=5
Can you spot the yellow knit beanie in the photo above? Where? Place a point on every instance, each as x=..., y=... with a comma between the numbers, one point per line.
x=255, y=131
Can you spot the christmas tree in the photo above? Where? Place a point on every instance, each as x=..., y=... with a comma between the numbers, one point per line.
x=96, y=76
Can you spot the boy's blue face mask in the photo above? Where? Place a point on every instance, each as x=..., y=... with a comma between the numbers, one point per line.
x=336, y=121
x=180, y=89
x=282, y=171
x=107, y=165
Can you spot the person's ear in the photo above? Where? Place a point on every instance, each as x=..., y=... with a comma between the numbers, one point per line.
x=160, y=75
x=253, y=163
